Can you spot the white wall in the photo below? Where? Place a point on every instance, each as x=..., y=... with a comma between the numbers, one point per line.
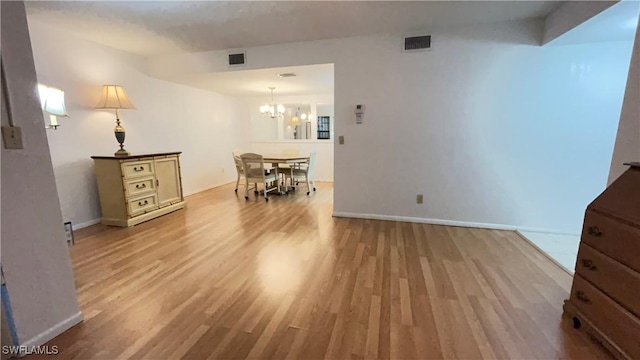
x=489, y=126
x=35, y=258
x=627, y=147
x=489, y=132
x=169, y=117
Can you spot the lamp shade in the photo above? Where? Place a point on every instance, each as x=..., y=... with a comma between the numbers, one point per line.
x=52, y=100
x=114, y=97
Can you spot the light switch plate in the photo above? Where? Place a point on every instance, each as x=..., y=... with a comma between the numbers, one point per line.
x=12, y=137
x=341, y=139
x=419, y=199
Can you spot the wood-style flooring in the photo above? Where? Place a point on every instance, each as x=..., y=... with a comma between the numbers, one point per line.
x=227, y=278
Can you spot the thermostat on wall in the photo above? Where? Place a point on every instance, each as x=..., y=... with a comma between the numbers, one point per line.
x=359, y=114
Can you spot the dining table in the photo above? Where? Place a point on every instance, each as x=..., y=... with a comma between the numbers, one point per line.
x=290, y=159
x=285, y=158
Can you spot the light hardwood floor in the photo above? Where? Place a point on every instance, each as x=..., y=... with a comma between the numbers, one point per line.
x=562, y=248
x=228, y=278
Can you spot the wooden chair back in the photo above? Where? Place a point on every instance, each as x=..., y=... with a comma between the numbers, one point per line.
x=253, y=167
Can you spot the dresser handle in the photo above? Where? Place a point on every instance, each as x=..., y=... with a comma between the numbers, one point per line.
x=594, y=231
x=140, y=203
x=582, y=297
x=136, y=168
x=588, y=263
x=141, y=186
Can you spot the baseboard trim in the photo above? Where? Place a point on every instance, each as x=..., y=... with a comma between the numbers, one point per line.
x=469, y=224
x=54, y=331
x=544, y=253
x=240, y=186
x=189, y=193
x=85, y=224
x=424, y=221
x=548, y=231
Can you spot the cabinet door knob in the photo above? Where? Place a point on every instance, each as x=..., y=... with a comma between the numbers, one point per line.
x=588, y=263
x=594, y=231
x=140, y=203
x=138, y=168
x=141, y=186
x=582, y=297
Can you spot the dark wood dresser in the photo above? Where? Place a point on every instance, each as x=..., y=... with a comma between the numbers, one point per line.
x=605, y=296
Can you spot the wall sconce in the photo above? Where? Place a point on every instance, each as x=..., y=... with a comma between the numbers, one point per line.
x=114, y=97
x=52, y=102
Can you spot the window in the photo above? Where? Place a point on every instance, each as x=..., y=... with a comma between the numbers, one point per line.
x=324, y=128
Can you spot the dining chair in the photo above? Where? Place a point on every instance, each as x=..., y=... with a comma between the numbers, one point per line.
x=255, y=172
x=306, y=172
x=239, y=170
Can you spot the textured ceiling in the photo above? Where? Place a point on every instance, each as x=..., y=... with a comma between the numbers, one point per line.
x=152, y=28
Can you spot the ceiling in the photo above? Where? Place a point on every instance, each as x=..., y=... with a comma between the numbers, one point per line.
x=617, y=23
x=311, y=79
x=162, y=27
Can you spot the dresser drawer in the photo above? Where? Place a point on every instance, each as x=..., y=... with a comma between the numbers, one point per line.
x=619, y=325
x=137, y=168
x=140, y=186
x=600, y=269
x=615, y=239
x=142, y=205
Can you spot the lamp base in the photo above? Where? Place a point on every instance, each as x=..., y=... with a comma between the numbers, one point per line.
x=122, y=153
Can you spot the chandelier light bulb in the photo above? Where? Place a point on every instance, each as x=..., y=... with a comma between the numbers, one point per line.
x=272, y=110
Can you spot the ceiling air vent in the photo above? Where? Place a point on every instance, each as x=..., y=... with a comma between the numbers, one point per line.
x=237, y=58
x=417, y=43
x=286, y=75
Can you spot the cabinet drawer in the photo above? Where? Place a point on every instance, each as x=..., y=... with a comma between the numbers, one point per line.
x=137, y=168
x=615, y=239
x=619, y=325
x=140, y=186
x=142, y=205
x=600, y=269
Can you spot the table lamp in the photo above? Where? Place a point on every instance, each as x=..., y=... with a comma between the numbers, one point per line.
x=114, y=97
x=52, y=101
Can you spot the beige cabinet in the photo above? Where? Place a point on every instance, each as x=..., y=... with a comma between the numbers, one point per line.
x=138, y=188
x=168, y=170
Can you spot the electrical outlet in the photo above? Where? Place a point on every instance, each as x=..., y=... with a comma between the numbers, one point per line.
x=222, y=170
x=341, y=139
x=419, y=199
x=12, y=137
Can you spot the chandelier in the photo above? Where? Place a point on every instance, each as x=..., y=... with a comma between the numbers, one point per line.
x=272, y=110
